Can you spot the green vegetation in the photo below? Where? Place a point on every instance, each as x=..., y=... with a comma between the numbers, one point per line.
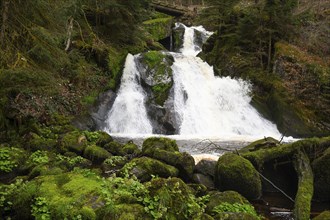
x=236, y=207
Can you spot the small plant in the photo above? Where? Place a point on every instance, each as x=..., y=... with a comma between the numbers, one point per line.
x=115, y=160
x=6, y=193
x=40, y=209
x=6, y=162
x=92, y=136
x=39, y=157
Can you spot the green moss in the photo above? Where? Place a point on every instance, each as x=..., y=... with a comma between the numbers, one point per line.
x=159, y=143
x=323, y=216
x=175, y=199
x=37, y=142
x=259, y=157
x=159, y=28
x=217, y=198
x=229, y=176
x=131, y=148
x=96, y=154
x=303, y=200
x=73, y=141
x=127, y=212
x=115, y=148
x=144, y=168
x=182, y=161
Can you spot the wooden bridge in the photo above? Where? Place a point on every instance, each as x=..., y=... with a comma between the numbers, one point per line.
x=177, y=7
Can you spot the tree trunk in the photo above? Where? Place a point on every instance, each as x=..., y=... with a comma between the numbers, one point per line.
x=269, y=51
x=5, y=7
x=69, y=32
x=302, y=206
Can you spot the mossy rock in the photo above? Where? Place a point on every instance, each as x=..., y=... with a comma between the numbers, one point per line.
x=127, y=212
x=131, y=148
x=113, y=163
x=73, y=141
x=103, y=139
x=43, y=170
x=166, y=150
x=65, y=196
x=182, y=161
x=37, y=142
x=159, y=28
x=178, y=35
x=217, y=198
x=176, y=198
x=145, y=167
x=236, y=173
x=115, y=148
x=266, y=142
x=96, y=154
x=321, y=171
x=235, y=216
x=323, y=216
x=157, y=77
x=159, y=143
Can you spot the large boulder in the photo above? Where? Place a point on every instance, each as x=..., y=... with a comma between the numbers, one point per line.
x=236, y=173
x=74, y=141
x=166, y=150
x=206, y=167
x=217, y=198
x=157, y=80
x=321, y=170
x=144, y=168
x=96, y=154
x=323, y=216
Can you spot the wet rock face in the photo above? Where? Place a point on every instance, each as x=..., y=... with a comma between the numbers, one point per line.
x=157, y=80
x=178, y=34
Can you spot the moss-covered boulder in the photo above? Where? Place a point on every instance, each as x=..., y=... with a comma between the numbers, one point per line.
x=74, y=141
x=157, y=80
x=119, y=149
x=127, y=212
x=161, y=143
x=166, y=150
x=57, y=197
x=236, y=173
x=178, y=35
x=321, y=171
x=144, y=168
x=217, y=198
x=323, y=216
x=103, y=138
x=159, y=28
x=131, y=148
x=37, y=142
x=96, y=154
x=266, y=142
x=175, y=199
x=235, y=216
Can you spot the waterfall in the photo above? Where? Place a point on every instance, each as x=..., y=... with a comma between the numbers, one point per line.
x=204, y=105
x=212, y=106
x=128, y=114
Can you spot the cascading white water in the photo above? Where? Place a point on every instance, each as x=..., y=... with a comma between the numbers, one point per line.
x=212, y=106
x=128, y=114
x=204, y=105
